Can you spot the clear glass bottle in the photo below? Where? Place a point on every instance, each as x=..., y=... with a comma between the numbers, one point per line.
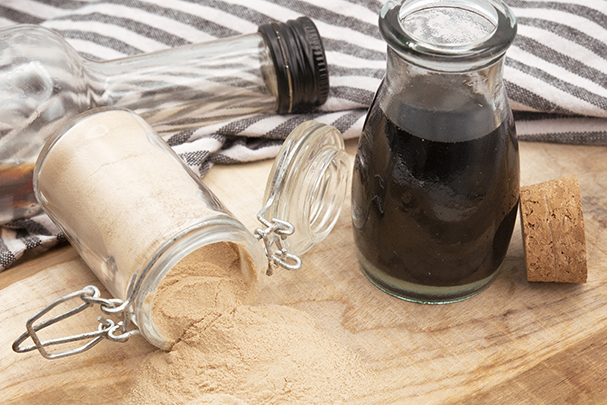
x=133, y=210
x=436, y=177
x=44, y=82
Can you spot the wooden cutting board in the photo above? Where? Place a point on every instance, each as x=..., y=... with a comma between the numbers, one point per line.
x=517, y=342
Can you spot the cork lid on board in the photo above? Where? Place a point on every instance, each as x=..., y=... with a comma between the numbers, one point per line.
x=553, y=231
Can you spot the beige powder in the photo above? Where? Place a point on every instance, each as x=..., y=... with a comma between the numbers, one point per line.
x=206, y=283
x=120, y=194
x=228, y=353
x=260, y=355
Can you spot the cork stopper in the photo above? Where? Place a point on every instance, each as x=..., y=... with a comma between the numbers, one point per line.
x=553, y=231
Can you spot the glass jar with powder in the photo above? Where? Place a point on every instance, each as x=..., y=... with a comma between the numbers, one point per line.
x=144, y=222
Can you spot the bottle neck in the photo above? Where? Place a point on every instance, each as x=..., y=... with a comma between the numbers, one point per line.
x=189, y=86
x=452, y=105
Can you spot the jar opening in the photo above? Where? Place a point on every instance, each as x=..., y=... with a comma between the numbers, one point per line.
x=447, y=25
x=448, y=35
x=206, y=232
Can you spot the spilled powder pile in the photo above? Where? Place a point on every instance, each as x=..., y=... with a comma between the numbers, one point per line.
x=205, y=283
x=229, y=353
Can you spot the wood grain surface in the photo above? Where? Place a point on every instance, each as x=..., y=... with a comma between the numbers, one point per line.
x=515, y=343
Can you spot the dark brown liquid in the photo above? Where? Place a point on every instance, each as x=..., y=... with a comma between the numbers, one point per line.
x=434, y=213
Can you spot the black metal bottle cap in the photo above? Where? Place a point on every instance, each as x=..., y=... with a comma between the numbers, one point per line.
x=300, y=63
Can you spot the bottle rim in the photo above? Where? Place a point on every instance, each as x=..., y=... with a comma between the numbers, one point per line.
x=462, y=56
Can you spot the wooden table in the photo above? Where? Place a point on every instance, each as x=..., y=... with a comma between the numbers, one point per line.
x=517, y=342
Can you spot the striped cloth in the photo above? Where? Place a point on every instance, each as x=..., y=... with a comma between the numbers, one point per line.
x=556, y=71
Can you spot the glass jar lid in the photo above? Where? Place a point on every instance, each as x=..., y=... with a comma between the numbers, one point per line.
x=306, y=187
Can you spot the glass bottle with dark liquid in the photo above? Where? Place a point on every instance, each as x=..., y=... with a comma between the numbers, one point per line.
x=436, y=177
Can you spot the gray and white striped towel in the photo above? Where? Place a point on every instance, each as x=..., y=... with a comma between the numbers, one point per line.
x=556, y=71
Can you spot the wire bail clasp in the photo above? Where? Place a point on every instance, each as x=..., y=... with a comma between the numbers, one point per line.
x=107, y=329
x=273, y=234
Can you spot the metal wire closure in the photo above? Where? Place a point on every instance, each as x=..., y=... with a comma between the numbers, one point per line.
x=273, y=234
x=107, y=329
